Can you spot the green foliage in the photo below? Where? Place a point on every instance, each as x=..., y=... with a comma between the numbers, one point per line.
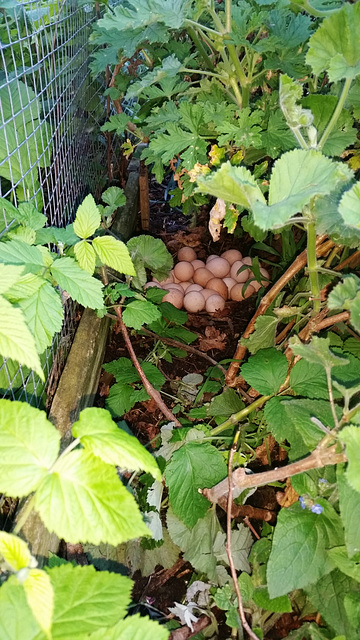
x=266, y=371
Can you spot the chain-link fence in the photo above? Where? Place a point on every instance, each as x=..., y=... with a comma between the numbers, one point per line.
x=51, y=151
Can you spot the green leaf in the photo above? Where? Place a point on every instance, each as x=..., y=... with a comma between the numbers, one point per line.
x=16, y=619
x=29, y=216
x=330, y=222
x=29, y=446
x=40, y=597
x=335, y=47
x=241, y=543
x=349, y=206
x=340, y=559
x=298, y=556
x=87, y=600
x=17, y=252
x=297, y=177
x=194, y=466
x=24, y=234
x=352, y=608
x=14, y=551
x=100, y=435
x=16, y=341
x=277, y=137
x=123, y=370
x=85, y=255
x=266, y=371
x=351, y=437
x=78, y=283
x=9, y=274
x=349, y=502
x=82, y=484
x=227, y=403
x=122, y=397
x=146, y=560
x=171, y=313
x=277, y=605
x=232, y=184
x=134, y=627
x=343, y=135
x=290, y=94
x=140, y=312
x=309, y=379
x=152, y=254
x=114, y=254
x=327, y=596
x=114, y=196
x=263, y=336
x=118, y=124
x=87, y=218
x=317, y=351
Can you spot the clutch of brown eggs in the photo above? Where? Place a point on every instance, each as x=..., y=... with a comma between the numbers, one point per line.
x=197, y=286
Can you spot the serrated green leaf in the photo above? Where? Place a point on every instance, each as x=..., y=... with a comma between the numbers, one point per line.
x=29, y=446
x=225, y=404
x=133, y=628
x=16, y=341
x=344, y=293
x=9, y=274
x=263, y=336
x=29, y=216
x=277, y=136
x=14, y=551
x=266, y=371
x=328, y=598
x=100, y=435
x=351, y=437
x=78, y=283
x=170, y=67
x=114, y=254
x=309, y=379
x=330, y=222
x=82, y=484
x=114, y=196
x=17, y=252
x=297, y=177
x=87, y=218
x=232, y=184
x=277, y=605
x=349, y=206
x=335, y=47
x=40, y=598
x=118, y=124
x=25, y=234
x=85, y=255
x=146, y=560
x=123, y=370
x=172, y=314
x=16, y=619
x=140, y=312
x=343, y=135
x=42, y=310
x=241, y=543
x=341, y=560
x=122, y=397
x=152, y=254
x=194, y=466
x=317, y=351
x=349, y=502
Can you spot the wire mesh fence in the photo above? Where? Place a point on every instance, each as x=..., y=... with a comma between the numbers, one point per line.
x=51, y=151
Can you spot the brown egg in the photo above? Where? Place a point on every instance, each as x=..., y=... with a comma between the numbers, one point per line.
x=219, y=286
x=169, y=280
x=186, y=254
x=194, y=302
x=173, y=276
x=264, y=283
x=175, y=297
x=152, y=283
x=241, y=291
x=247, y=260
x=211, y=258
x=184, y=271
x=194, y=287
x=185, y=285
x=219, y=267
x=232, y=255
x=214, y=303
x=243, y=276
x=202, y=275
x=197, y=264
x=173, y=285
x=206, y=293
x=230, y=283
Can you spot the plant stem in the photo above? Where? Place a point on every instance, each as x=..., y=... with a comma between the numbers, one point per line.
x=237, y=417
x=312, y=266
x=228, y=15
x=203, y=73
x=336, y=114
x=196, y=25
x=299, y=137
x=24, y=515
x=331, y=397
x=237, y=93
x=200, y=47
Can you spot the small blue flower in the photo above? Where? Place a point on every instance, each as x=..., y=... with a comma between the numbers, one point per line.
x=302, y=502
x=317, y=508
x=323, y=480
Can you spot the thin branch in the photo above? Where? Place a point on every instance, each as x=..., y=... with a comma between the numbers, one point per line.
x=185, y=632
x=153, y=393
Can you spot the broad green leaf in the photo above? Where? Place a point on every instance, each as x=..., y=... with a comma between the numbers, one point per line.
x=349, y=502
x=330, y=222
x=349, y=206
x=9, y=274
x=29, y=216
x=124, y=371
x=29, y=445
x=140, y=312
x=277, y=137
x=335, y=47
x=317, y=351
x=232, y=184
x=16, y=341
x=114, y=254
x=225, y=404
x=133, y=627
x=78, y=283
x=352, y=608
x=351, y=437
x=152, y=254
x=264, y=334
x=25, y=287
x=344, y=294
x=171, y=313
x=16, y=619
x=114, y=196
x=266, y=371
x=241, y=543
x=298, y=556
x=122, y=398
x=87, y=600
x=309, y=379
x=343, y=135
x=85, y=255
x=82, y=484
x=40, y=597
x=100, y=435
x=24, y=234
x=290, y=94
x=146, y=560
x=194, y=466
x=87, y=218
x=297, y=177
x=341, y=560
x=17, y=252
x=328, y=598
x=277, y=605
x=14, y=551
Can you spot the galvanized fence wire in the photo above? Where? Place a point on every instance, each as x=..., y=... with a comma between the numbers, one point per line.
x=51, y=151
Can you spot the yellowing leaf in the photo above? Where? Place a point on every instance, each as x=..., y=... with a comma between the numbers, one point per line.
x=87, y=218
x=85, y=255
x=14, y=551
x=9, y=274
x=40, y=596
x=114, y=254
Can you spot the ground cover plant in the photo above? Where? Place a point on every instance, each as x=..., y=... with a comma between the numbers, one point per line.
x=267, y=127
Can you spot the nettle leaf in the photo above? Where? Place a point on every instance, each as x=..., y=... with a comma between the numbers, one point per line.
x=140, y=312
x=296, y=178
x=194, y=466
x=317, y=351
x=94, y=600
x=114, y=254
x=78, y=283
x=263, y=336
x=227, y=403
x=266, y=371
x=14, y=551
x=100, y=435
x=40, y=598
x=349, y=206
x=349, y=502
x=85, y=255
x=87, y=218
x=29, y=446
x=16, y=341
x=309, y=379
x=122, y=397
x=335, y=47
x=232, y=184
x=343, y=135
x=82, y=484
x=351, y=437
x=298, y=556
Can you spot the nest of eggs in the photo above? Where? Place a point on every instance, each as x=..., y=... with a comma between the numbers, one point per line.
x=198, y=286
